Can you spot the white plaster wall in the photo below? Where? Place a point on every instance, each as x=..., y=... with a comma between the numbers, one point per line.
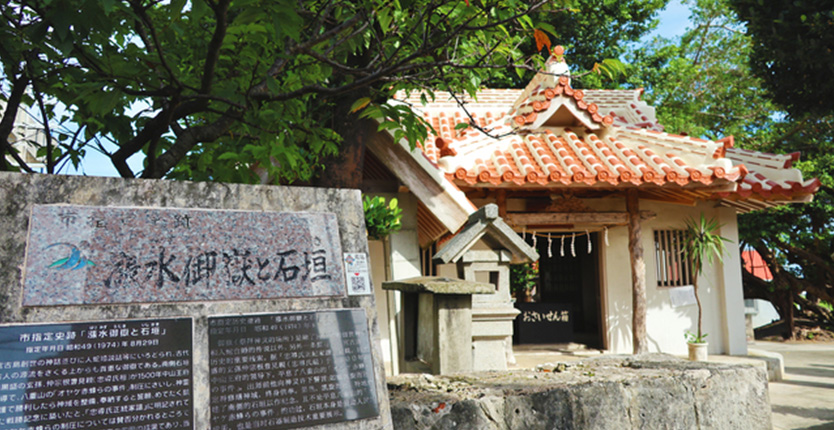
x=766, y=314
x=376, y=256
x=398, y=259
x=404, y=244
x=719, y=288
x=732, y=295
x=616, y=278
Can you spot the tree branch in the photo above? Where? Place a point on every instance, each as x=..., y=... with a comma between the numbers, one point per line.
x=213, y=50
x=823, y=264
x=187, y=139
x=154, y=128
x=141, y=11
x=50, y=163
x=19, y=85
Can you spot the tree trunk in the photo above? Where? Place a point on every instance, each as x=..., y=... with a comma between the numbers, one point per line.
x=787, y=306
x=700, y=308
x=344, y=170
x=7, y=122
x=638, y=275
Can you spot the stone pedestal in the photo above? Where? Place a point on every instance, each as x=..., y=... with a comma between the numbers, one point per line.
x=492, y=315
x=443, y=341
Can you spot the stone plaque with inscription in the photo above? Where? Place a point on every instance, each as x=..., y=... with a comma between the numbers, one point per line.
x=543, y=323
x=101, y=255
x=97, y=375
x=290, y=370
x=140, y=304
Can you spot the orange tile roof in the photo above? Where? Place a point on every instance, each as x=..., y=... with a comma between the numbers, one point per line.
x=551, y=135
x=754, y=264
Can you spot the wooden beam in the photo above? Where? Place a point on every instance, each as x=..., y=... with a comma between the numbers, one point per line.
x=423, y=180
x=638, y=275
x=587, y=218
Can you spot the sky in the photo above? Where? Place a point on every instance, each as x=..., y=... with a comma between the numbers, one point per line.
x=673, y=22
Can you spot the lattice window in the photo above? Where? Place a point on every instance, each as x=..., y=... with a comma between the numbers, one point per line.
x=673, y=268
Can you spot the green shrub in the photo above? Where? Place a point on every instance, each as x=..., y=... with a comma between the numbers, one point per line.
x=523, y=277
x=381, y=219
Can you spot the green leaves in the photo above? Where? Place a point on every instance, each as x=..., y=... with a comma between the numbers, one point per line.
x=381, y=219
x=523, y=278
x=792, y=51
x=398, y=119
x=695, y=338
x=360, y=104
x=703, y=243
x=228, y=88
x=611, y=68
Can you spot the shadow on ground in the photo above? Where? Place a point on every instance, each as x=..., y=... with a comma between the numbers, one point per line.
x=825, y=414
x=813, y=371
x=821, y=385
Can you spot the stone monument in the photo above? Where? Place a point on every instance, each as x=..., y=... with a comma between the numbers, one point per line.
x=493, y=314
x=145, y=304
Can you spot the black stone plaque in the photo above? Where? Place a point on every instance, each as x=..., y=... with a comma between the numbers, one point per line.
x=290, y=370
x=120, y=375
x=543, y=323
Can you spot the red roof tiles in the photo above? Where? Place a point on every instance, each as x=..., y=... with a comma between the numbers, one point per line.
x=551, y=135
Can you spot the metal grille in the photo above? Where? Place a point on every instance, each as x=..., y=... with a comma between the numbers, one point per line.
x=673, y=268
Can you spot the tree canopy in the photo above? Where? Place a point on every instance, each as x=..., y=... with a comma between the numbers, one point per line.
x=230, y=90
x=208, y=88
x=793, y=51
x=704, y=85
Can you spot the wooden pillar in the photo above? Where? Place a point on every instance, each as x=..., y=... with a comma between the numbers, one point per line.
x=638, y=275
x=501, y=200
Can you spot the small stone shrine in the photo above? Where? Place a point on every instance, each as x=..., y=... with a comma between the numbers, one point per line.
x=482, y=251
x=145, y=304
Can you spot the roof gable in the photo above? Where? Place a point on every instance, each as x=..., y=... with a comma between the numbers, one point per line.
x=549, y=100
x=485, y=223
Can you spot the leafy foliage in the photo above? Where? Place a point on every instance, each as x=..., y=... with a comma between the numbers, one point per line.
x=381, y=219
x=797, y=241
x=523, y=277
x=792, y=52
x=702, y=85
x=793, y=42
x=590, y=30
x=246, y=90
x=274, y=91
x=702, y=243
x=694, y=338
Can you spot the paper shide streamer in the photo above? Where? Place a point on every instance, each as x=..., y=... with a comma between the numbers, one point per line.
x=549, y=245
x=573, y=245
x=590, y=247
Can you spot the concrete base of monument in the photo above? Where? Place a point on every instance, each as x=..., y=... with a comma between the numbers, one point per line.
x=653, y=391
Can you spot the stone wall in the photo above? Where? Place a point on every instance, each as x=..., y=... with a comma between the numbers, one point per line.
x=18, y=194
x=648, y=392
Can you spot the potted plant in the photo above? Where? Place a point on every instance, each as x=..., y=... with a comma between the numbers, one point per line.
x=702, y=244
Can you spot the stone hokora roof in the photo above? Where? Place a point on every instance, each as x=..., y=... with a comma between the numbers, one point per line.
x=485, y=224
x=552, y=135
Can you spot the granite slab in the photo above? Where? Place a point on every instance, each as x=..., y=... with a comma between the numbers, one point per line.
x=99, y=255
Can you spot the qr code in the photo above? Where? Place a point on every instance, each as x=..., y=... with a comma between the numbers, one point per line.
x=357, y=283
